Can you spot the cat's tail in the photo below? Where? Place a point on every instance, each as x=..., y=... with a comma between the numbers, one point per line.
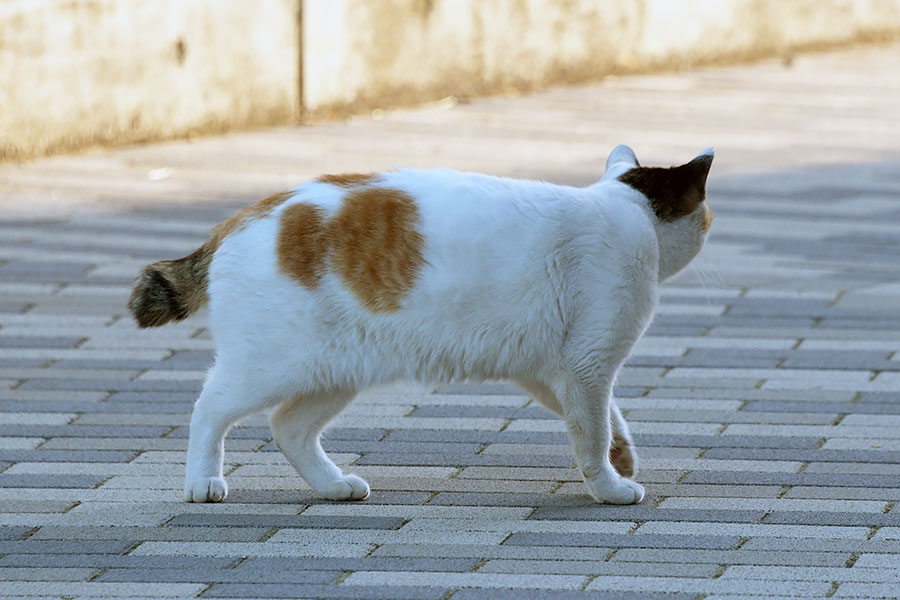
x=171, y=290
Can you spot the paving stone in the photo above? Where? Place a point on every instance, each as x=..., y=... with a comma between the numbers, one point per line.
x=262, y=590
x=98, y=456
x=181, y=575
x=65, y=547
x=50, y=481
x=14, y=533
x=372, y=563
x=827, y=479
x=166, y=534
x=708, y=586
x=46, y=574
x=92, y=588
x=102, y=560
x=575, y=567
x=476, y=580
x=285, y=521
x=497, y=594
x=724, y=542
x=732, y=557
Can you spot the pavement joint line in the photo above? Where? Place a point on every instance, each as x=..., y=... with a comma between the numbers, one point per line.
x=720, y=570
x=802, y=467
x=872, y=531
x=742, y=541
x=610, y=555
x=888, y=507
x=838, y=419
x=556, y=486
x=852, y=560
x=637, y=525
x=589, y=579
x=833, y=590
x=784, y=490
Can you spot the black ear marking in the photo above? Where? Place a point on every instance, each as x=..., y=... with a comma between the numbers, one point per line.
x=673, y=192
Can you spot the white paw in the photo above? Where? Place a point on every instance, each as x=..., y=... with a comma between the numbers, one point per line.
x=349, y=487
x=207, y=489
x=621, y=491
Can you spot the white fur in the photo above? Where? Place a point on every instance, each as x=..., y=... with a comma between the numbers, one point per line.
x=546, y=285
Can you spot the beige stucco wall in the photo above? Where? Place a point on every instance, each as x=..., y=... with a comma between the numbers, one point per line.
x=361, y=53
x=79, y=72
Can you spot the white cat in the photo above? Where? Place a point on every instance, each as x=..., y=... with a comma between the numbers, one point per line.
x=434, y=275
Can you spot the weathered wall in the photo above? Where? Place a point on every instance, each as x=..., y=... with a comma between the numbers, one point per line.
x=362, y=53
x=79, y=72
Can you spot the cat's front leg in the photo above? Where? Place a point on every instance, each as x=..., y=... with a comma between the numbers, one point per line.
x=586, y=408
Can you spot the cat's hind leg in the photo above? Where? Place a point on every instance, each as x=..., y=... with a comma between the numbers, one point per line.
x=622, y=453
x=296, y=425
x=225, y=400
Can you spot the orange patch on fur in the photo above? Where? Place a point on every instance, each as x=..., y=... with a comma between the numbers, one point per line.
x=255, y=211
x=708, y=217
x=303, y=243
x=348, y=180
x=376, y=247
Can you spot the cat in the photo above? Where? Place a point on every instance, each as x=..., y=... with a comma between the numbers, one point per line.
x=349, y=281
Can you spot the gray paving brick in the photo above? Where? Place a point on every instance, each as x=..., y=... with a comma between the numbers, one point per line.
x=41, y=455
x=50, y=481
x=263, y=590
x=102, y=431
x=792, y=544
x=872, y=408
x=466, y=460
x=64, y=547
x=597, y=512
x=181, y=575
x=576, y=567
x=625, y=541
x=168, y=534
x=105, y=560
x=728, y=441
x=483, y=552
x=519, y=594
x=372, y=563
x=284, y=521
x=38, y=342
x=733, y=557
x=14, y=533
x=46, y=574
x=111, y=385
x=298, y=497
x=834, y=518
x=826, y=479
x=867, y=456
x=23, y=363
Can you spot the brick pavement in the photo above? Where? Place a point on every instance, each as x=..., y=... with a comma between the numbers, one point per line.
x=763, y=399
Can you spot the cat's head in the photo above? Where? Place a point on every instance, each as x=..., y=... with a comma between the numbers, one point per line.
x=676, y=197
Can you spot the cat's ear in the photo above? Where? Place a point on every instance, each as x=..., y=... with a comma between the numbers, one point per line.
x=674, y=192
x=622, y=154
